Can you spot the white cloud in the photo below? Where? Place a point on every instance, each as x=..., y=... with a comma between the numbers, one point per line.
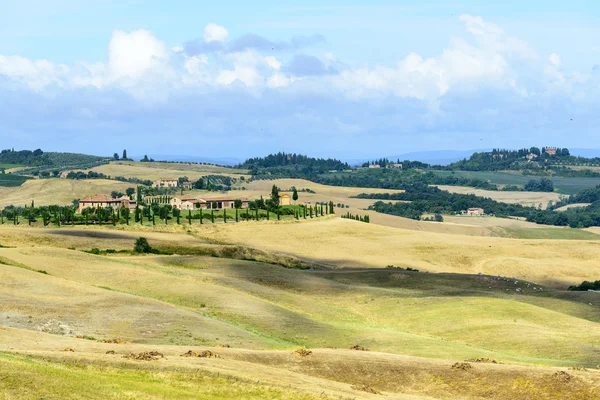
x=273, y=62
x=130, y=55
x=215, y=33
x=36, y=74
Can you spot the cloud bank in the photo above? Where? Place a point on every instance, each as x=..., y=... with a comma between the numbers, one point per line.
x=485, y=88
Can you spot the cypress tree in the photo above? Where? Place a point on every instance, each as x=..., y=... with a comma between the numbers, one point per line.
x=190, y=216
x=201, y=216
x=212, y=215
x=278, y=215
x=236, y=215
x=257, y=213
x=268, y=213
x=224, y=215
x=304, y=211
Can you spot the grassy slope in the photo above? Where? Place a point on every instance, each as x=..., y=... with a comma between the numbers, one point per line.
x=173, y=301
x=27, y=378
x=156, y=170
x=57, y=191
x=386, y=310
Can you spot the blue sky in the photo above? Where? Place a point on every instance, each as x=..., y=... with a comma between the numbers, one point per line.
x=349, y=79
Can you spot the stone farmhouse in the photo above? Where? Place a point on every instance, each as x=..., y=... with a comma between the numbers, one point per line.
x=374, y=166
x=193, y=203
x=103, y=201
x=475, y=212
x=166, y=183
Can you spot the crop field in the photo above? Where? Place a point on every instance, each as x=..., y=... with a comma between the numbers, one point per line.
x=155, y=170
x=563, y=185
x=10, y=180
x=56, y=191
x=253, y=315
x=532, y=199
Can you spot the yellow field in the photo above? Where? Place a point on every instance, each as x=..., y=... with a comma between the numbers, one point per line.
x=416, y=324
x=57, y=191
x=156, y=170
x=533, y=199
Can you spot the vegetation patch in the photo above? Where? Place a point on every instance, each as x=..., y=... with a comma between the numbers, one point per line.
x=301, y=353
x=202, y=354
x=144, y=356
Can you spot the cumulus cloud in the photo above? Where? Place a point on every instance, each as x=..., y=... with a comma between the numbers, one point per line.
x=215, y=33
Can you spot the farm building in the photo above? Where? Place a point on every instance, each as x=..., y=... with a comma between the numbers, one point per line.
x=284, y=199
x=191, y=203
x=103, y=201
x=475, y=212
x=395, y=165
x=550, y=151
x=374, y=166
x=165, y=182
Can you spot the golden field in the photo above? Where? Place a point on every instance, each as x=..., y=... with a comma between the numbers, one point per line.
x=416, y=325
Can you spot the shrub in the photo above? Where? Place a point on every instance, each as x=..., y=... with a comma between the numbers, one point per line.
x=142, y=246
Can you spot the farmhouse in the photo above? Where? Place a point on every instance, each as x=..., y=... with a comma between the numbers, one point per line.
x=193, y=203
x=284, y=199
x=397, y=166
x=531, y=156
x=165, y=182
x=550, y=151
x=103, y=201
x=374, y=166
x=475, y=212
x=187, y=185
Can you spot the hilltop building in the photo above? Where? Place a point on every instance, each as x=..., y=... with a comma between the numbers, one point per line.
x=397, y=166
x=194, y=203
x=550, y=151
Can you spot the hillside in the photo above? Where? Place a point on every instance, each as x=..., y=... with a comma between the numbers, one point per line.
x=37, y=160
x=262, y=311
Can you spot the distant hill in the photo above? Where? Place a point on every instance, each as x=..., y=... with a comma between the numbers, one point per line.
x=225, y=161
x=39, y=160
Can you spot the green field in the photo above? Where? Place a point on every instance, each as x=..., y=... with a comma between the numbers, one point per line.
x=562, y=184
x=9, y=166
x=10, y=180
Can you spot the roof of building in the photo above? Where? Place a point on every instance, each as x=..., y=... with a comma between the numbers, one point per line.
x=98, y=198
x=284, y=195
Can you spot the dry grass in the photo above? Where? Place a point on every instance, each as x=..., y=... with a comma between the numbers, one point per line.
x=57, y=191
x=346, y=243
x=156, y=170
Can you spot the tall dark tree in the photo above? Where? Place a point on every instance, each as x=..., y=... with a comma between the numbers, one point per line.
x=124, y=154
x=295, y=195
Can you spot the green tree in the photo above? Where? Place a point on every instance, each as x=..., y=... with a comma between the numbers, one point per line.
x=295, y=195
x=142, y=246
x=125, y=213
x=116, y=156
x=124, y=155
x=130, y=192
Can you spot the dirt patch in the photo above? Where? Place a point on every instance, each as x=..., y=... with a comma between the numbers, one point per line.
x=202, y=354
x=69, y=349
x=562, y=376
x=365, y=388
x=462, y=366
x=144, y=356
x=482, y=360
x=113, y=341
x=359, y=348
x=110, y=352
x=301, y=353
x=224, y=346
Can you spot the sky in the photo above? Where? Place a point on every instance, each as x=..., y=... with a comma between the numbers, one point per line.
x=346, y=79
